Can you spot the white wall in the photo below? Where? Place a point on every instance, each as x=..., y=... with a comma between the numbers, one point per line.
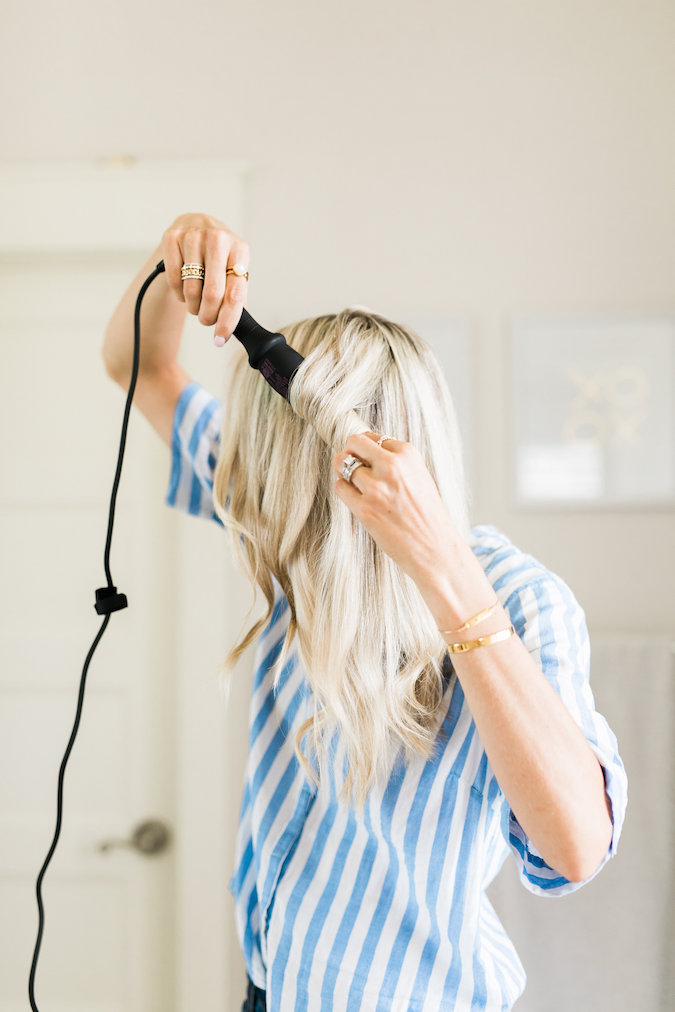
x=444, y=159
x=437, y=158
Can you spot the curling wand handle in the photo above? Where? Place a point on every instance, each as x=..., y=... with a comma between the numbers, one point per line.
x=267, y=351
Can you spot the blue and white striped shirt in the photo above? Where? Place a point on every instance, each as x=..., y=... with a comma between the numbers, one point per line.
x=387, y=912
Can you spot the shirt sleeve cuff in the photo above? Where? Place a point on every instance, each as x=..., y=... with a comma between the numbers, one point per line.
x=535, y=874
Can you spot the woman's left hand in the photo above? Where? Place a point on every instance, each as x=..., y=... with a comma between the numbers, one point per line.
x=398, y=502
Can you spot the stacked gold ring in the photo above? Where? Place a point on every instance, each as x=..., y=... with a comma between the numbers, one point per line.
x=192, y=271
x=197, y=271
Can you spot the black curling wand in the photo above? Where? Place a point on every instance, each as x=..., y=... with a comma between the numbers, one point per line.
x=267, y=352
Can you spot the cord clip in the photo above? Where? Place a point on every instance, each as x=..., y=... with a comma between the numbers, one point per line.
x=107, y=600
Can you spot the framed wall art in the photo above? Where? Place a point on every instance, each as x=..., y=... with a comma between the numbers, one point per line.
x=593, y=410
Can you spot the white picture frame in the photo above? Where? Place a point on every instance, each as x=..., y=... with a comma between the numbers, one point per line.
x=593, y=413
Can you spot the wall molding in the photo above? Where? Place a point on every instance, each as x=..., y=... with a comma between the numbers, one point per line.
x=120, y=204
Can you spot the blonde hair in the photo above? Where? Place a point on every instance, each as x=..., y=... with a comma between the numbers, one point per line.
x=370, y=649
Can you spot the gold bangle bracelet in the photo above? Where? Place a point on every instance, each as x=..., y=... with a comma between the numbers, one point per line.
x=474, y=620
x=482, y=641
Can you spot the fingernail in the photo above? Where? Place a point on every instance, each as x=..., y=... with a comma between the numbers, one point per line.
x=218, y=340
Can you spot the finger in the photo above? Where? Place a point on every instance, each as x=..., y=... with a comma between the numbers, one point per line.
x=216, y=250
x=364, y=445
x=361, y=478
x=392, y=445
x=173, y=261
x=349, y=494
x=193, y=253
x=236, y=291
x=337, y=462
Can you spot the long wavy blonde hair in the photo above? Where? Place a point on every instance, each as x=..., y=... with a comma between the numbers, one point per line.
x=369, y=646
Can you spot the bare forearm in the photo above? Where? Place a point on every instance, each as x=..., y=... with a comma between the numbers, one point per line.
x=162, y=322
x=160, y=378
x=540, y=757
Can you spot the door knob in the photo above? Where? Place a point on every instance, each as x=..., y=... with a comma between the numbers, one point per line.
x=148, y=837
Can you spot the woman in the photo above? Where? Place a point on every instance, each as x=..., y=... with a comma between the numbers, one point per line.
x=421, y=705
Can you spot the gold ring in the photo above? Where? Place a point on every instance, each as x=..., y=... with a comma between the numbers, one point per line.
x=238, y=270
x=382, y=439
x=192, y=271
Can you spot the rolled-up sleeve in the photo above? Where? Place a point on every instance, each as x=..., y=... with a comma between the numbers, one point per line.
x=194, y=452
x=552, y=625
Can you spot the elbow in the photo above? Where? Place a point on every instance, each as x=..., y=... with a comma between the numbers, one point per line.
x=585, y=860
x=107, y=361
x=111, y=367
x=592, y=841
x=109, y=371
x=582, y=869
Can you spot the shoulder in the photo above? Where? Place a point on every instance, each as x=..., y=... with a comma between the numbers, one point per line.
x=503, y=561
x=197, y=411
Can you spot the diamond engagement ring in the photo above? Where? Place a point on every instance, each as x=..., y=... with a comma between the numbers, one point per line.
x=350, y=464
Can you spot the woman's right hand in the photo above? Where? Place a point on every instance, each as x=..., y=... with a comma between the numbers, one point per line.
x=219, y=298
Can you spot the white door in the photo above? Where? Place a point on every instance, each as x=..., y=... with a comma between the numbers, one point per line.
x=108, y=915
x=122, y=933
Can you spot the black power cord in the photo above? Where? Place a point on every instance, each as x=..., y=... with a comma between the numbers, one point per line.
x=278, y=363
x=108, y=600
